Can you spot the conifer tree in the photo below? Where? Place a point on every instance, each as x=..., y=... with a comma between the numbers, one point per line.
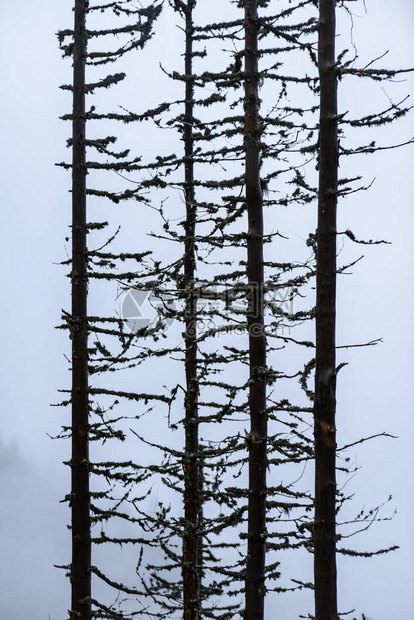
x=88, y=423
x=181, y=277
x=80, y=501
x=328, y=500
x=325, y=371
x=255, y=567
x=191, y=536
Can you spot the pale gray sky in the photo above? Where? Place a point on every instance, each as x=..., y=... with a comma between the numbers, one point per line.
x=375, y=392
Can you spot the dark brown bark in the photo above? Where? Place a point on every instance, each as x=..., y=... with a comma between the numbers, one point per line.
x=325, y=399
x=80, y=502
x=191, y=555
x=256, y=547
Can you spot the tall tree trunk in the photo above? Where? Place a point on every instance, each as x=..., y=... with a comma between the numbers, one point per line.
x=191, y=580
x=256, y=547
x=325, y=379
x=80, y=502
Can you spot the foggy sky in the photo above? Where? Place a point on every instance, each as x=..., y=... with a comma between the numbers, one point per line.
x=375, y=302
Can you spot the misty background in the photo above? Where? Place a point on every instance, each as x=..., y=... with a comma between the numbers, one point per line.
x=375, y=392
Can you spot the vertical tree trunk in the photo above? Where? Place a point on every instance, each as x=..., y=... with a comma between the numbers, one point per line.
x=80, y=502
x=191, y=581
x=325, y=400
x=256, y=548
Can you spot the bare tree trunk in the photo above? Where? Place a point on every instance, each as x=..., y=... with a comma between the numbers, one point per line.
x=191, y=580
x=256, y=548
x=325, y=379
x=80, y=502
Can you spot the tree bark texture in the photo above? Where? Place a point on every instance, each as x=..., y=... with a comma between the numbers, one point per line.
x=191, y=555
x=256, y=546
x=325, y=376
x=80, y=501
